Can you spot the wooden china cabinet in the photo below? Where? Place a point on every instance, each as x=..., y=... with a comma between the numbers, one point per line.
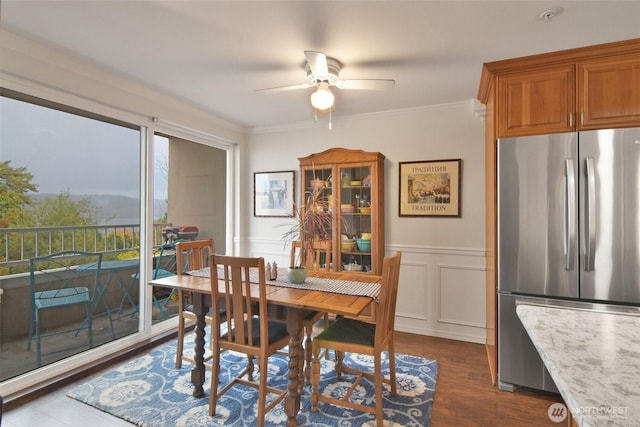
x=595, y=87
x=352, y=182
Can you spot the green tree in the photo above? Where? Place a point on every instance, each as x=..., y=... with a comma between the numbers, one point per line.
x=62, y=210
x=15, y=184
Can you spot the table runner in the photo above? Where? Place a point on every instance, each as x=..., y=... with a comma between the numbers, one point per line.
x=336, y=286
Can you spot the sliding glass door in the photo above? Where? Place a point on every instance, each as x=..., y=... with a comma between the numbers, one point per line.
x=189, y=202
x=74, y=180
x=69, y=181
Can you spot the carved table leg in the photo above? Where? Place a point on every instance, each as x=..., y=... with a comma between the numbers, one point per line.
x=296, y=357
x=197, y=373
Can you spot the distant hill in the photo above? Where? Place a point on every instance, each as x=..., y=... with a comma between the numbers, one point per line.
x=113, y=209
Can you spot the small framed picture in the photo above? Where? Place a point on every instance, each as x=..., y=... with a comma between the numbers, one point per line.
x=273, y=193
x=430, y=188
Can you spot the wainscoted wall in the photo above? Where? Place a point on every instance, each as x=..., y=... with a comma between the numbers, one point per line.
x=442, y=283
x=441, y=291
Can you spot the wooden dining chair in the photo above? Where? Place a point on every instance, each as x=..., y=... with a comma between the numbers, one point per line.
x=318, y=259
x=356, y=336
x=190, y=255
x=247, y=332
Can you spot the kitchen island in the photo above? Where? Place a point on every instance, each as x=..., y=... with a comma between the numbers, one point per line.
x=593, y=357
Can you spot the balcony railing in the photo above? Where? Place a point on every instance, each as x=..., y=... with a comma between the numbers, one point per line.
x=18, y=245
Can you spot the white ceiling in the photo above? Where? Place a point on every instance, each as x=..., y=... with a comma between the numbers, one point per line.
x=214, y=54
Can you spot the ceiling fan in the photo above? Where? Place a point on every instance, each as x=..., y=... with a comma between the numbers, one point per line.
x=323, y=72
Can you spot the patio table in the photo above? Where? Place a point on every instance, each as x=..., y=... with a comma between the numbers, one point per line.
x=112, y=268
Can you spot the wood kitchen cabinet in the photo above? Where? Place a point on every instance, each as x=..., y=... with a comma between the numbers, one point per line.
x=352, y=181
x=586, y=88
x=536, y=101
x=595, y=87
x=609, y=93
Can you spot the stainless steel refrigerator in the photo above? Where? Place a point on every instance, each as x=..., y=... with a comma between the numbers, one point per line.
x=568, y=229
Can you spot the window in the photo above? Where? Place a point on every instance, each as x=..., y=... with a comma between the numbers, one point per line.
x=68, y=180
x=71, y=179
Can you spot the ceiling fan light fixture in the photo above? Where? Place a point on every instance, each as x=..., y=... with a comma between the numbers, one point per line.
x=322, y=99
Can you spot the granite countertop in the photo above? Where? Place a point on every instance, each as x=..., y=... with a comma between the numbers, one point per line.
x=593, y=358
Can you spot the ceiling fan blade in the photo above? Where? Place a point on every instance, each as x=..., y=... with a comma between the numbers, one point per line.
x=284, y=88
x=317, y=64
x=366, y=84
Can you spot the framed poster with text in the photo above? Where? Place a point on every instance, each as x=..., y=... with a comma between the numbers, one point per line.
x=430, y=188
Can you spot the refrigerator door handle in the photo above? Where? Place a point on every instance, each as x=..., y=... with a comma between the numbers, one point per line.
x=569, y=215
x=590, y=215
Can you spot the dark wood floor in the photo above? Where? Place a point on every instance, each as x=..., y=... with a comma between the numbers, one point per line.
x=464, y=393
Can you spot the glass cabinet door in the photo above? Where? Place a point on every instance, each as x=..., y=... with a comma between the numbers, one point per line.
x=355, y=226
x=320, y=180
x=318, y=190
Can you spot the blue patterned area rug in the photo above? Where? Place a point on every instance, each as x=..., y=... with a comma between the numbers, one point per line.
x=150, y=391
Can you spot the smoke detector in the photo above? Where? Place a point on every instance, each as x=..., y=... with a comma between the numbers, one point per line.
x=548, y=14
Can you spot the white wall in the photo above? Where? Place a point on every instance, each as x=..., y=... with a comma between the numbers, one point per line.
x=442, y=282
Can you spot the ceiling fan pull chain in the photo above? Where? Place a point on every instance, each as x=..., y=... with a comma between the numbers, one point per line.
x=330, y=120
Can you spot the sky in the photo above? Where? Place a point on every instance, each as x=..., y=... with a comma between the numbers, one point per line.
x=67, y=152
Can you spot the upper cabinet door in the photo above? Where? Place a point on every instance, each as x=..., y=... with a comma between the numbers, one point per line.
x=609, y=93
x=536, y=102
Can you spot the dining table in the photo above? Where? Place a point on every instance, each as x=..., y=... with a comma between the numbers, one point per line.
x=341, y=293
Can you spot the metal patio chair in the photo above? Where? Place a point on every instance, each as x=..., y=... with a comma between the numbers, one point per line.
x=57, y=285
